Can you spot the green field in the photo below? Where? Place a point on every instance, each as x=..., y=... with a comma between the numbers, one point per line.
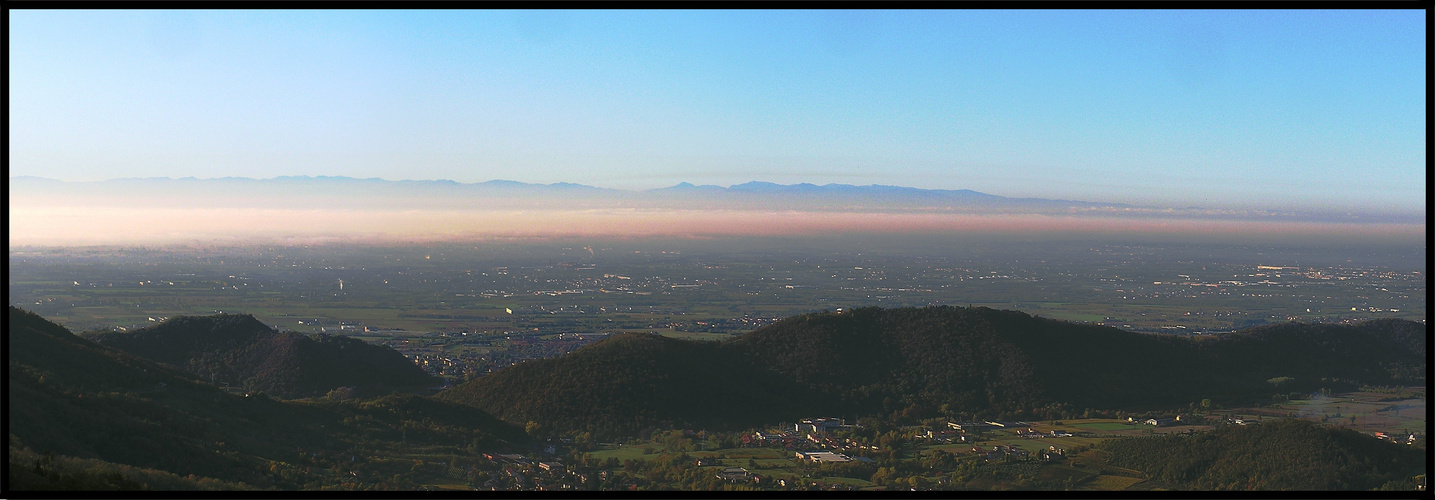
x=701, y=336
x=1110, y=483
x=1107, y=426
x=625, y=453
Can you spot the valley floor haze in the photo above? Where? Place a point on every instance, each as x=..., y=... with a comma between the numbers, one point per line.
x=44, y=212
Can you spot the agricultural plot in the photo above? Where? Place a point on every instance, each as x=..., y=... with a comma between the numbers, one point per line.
x=1102, y=425
x=1106, y=482
x=625, y=452
x=1404, y=411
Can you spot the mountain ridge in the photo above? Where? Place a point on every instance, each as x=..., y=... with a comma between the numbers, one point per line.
x=750, y=186
x=245, y=352
x=375, y=193
x=975, y=362
x=69, y=396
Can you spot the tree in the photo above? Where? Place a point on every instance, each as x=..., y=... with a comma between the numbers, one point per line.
x=882, y=475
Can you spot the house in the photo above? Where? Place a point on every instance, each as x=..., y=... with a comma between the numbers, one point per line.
x=823, y=456
x=1159, y=422
x=1060, y=433
x=513, y=458
x=733, y=474
x=551, y=466
x=945, y=436
x=968, y=426
x=818, y=425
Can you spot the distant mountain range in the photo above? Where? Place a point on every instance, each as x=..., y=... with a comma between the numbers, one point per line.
x=240, y=350
x=795, y=196
x=973, y=361
x=373, y=193
x=296, y=189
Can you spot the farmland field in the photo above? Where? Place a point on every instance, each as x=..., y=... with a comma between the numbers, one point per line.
x=1106, y=426
x=1397, y=410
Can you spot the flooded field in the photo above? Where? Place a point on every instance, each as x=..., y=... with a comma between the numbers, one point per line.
x=1402, y=410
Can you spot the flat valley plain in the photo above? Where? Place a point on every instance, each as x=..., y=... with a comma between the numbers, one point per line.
x=473, y=307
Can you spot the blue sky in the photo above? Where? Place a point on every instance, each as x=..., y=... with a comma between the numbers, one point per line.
x=1287, y=109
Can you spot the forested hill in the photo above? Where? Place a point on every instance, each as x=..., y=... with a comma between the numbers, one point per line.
x=1276, y=455
x=632, y=381
x=239, y=350
x=972, y=361
x=70, y=397
x=976, y=358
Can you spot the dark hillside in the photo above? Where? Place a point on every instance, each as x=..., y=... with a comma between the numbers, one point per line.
x=976, y=361
x=1384, y=352
x=1008, y=360
x=71, y=397
x=1277, y=455
x=239, y=350
x=624, y=384
x=889, y=359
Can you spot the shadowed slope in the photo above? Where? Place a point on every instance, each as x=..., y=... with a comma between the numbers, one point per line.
x=1276, y=455
x=239, y=350
x=72, y=397
x=633, y=381
x=976, y=361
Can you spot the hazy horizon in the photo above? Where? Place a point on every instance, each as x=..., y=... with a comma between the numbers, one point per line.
x=1262, y=109
x=170, y=211
x=1156, y=124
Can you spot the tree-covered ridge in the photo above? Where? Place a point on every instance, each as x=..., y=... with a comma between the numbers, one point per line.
x=979, y=358
x=954, y=360
x=634, y=381
x=70, y=397
x=238, y=349
x=1277, y=455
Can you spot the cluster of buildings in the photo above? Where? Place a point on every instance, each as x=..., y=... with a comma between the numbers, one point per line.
x=523, y=473
x=943, y=435
x=999, y=451
x=821, y=457
x=812, y=433
x=1398, y=437
x=818, y=425
x=1030, y=433
x=1166, y=421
